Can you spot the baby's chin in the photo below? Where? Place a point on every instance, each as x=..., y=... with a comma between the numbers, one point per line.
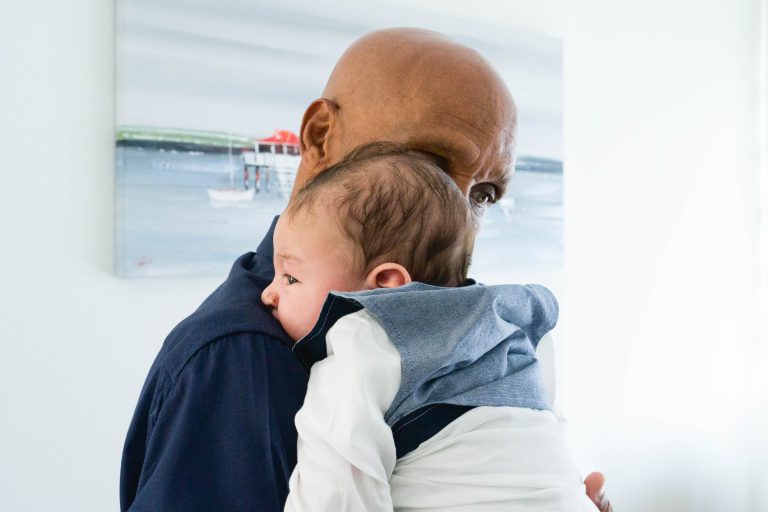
x=289, y=329
x=294, y=332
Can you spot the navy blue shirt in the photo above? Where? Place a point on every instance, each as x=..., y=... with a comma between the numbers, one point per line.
x=213, y=429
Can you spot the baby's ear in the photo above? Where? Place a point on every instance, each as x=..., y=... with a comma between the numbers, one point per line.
x=387, y=275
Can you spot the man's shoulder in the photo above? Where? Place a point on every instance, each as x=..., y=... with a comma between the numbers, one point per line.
x=233, y=310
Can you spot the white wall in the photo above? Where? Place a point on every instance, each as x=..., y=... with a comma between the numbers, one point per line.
x=657, y=367
x=76, y=341
x=659, y=374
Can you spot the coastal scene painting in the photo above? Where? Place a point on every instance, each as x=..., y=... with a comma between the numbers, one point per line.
x=210, y=96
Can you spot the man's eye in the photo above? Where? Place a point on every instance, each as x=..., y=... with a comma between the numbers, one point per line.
x=483, y=195
x=290, y=279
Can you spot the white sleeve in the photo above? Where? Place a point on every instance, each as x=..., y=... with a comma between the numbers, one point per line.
x=346, y=453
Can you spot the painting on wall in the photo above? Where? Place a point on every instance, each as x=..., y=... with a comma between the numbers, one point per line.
x=209, y=101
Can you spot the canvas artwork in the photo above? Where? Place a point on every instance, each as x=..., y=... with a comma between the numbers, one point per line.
x=210, y=97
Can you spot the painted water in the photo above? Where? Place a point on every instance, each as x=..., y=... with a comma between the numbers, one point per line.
x=168, y=226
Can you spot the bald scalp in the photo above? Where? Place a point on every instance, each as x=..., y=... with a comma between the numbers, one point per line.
x=383, y=64
x=390, y=72
x=422, y=90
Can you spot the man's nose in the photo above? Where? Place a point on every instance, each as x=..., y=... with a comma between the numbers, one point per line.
x=269, y=296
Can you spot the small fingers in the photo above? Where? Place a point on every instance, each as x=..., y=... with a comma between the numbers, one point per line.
x=595, y=484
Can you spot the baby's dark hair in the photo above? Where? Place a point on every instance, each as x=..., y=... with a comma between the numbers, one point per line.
x=398, y=206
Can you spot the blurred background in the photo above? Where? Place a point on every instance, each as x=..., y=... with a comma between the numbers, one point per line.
x=661, y=350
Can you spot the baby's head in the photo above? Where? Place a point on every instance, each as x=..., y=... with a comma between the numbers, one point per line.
x=380, y=218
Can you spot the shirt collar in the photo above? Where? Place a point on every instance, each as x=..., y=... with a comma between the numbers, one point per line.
x=312, y=347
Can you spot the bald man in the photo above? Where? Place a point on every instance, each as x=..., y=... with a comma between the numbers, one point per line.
x=213, y=429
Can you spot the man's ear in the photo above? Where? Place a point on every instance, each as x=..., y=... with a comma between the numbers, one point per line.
x=317, y=125
x=387, y=275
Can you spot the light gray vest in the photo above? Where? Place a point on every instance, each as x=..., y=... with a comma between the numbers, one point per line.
x=473, y=345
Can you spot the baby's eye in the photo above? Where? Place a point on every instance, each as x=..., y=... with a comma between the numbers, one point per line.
x=290, y=279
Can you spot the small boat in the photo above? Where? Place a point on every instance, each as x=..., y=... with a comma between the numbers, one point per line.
x=230, y=195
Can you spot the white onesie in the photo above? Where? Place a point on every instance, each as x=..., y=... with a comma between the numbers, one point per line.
x=489, y=459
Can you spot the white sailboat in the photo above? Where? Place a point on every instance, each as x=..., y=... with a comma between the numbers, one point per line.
x=230, y=194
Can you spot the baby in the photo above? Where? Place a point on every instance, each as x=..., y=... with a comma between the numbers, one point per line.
x=424, y=391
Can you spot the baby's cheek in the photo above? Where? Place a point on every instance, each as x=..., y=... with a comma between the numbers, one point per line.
x=310, y=314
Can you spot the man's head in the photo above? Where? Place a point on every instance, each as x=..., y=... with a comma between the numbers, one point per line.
x=381, y=217
x=425, y=91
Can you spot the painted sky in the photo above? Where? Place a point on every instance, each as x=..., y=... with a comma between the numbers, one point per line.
x=252, y=67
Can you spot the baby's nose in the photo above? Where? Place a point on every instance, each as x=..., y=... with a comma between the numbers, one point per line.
x=269, y=296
